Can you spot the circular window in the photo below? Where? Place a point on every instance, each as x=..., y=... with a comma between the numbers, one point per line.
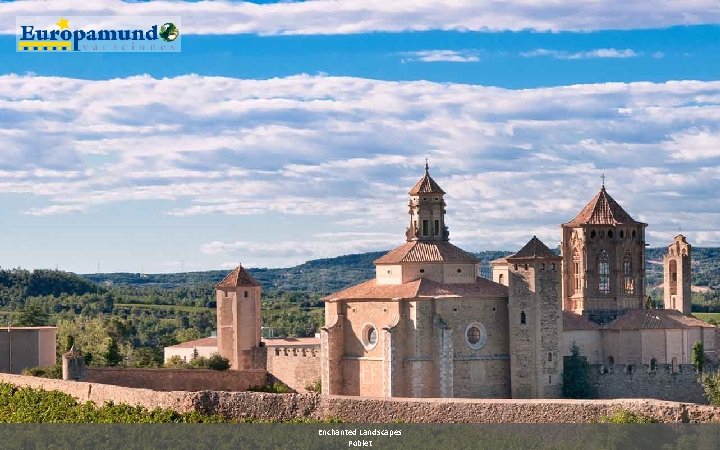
x=422, y=270
x=369, y=336
x=475, y=335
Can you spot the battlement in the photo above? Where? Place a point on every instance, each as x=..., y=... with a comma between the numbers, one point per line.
x=295, y=352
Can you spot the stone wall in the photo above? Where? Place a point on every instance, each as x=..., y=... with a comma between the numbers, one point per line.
x=639, y=381
x=178, y=379
x=367, y=410
x=297, y=367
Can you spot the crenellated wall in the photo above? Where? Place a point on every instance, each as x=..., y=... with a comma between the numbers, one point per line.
x=642, y=381
x=297, y=367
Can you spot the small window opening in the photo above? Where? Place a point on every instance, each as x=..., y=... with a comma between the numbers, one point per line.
x=653, y=364
x=422, y=270
x=523, y=319
x=611, y=360
x=436, y=228
x=549, y=356
x=426, y=227
x=542, y=266
x=610, y=233
x=459, y=271
x=592, y=234
x=246, y=294
x=622, y=234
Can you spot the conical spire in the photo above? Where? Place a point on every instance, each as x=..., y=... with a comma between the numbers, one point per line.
x=238, y=277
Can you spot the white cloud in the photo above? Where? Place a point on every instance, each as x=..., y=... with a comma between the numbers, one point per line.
x=589, y=54
x=337, y=155
x=462, y=56
x=363, y=16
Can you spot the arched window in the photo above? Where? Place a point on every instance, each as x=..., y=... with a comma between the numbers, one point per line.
x=628, y=279
x=633, y=234
x=501, y=278
x=673, y=277
x=549, y=356
x=604, y=272
x=523, y=319
x=577, y=275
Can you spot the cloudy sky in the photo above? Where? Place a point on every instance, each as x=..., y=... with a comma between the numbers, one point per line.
x=288, y=131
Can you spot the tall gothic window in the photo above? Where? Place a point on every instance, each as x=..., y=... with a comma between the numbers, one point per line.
x=436, y=228
x=426, y=227
x=576, y=270
x=604, y=272
x=628, y=279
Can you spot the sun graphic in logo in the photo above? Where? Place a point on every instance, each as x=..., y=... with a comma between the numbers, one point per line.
x=169, y=32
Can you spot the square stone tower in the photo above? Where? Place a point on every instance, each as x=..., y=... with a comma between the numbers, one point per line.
x=239, y=319
x=677, y=279
x=603, y=251
x=535, y=322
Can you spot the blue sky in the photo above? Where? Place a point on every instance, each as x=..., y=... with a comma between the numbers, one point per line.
x=291, y=131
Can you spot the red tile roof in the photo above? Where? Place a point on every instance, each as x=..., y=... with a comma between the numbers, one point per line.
x=426, y=185
x=602, y=210
x=427, y=251
x=203, y=342
x=238, y=277
x=572, y=321
x=534, y=249
x=420, y=288
x=648, y=319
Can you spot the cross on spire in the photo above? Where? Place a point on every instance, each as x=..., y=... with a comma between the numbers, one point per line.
x=603, y=179
x=427, y=166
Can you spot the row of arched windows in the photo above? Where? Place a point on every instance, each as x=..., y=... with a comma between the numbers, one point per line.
x=610, y=234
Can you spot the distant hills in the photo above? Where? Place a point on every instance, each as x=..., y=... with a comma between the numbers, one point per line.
x=324, y=276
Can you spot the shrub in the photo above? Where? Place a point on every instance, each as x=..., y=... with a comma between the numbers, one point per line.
x=175, y=362
x=45, y=372
x=217, y=362
x=28, y=405
x=711, y=385
x=624, y=416
x=278, y=387
x=314, y=387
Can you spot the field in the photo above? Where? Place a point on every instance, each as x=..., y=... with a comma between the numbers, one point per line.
x=708, y=317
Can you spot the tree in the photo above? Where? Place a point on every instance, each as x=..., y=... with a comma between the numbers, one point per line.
x=575, y=377
x=711, y=385
x=113, y=356
x=698, y=355
x=32, y=315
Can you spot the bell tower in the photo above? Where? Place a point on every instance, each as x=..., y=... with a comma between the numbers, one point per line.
x=677, y=279
x=239, y=320
x=427, y=211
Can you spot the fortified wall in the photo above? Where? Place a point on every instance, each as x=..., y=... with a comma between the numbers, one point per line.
x=297, y=367
x=662, y=381
x=177, y=379
x=373, y=410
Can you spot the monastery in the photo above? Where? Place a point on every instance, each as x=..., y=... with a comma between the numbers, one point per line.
x=428, y=325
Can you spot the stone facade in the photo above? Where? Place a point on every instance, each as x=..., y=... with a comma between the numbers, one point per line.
x=677, y=275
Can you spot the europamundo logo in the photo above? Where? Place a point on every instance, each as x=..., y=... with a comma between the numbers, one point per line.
x=98, y=34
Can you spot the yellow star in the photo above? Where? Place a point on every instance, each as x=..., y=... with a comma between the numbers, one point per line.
x=63, y=24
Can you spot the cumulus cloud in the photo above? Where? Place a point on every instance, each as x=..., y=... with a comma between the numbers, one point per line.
x=589, y=54
x=441, y=56
x=337, y=155
x=364, y=16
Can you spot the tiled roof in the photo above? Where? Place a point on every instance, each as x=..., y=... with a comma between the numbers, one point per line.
x=572, y=321
x=648, y=319
x=534, y=249
x=602, y=210
x=238, y=277
x=427, y=251
x=204, y=342
x=426, y=185
x=421, y=288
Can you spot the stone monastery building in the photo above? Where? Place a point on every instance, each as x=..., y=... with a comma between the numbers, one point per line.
x=428, y=325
